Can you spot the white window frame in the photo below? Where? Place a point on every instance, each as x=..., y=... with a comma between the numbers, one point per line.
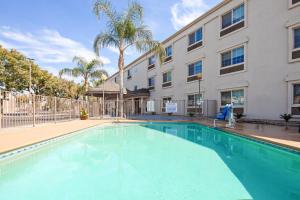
x=291, y=5
x=129, y=73
x=153, y=56
x=163, y=77
x=230, y=90
x=193, y=32
x=195, y=104
x=291, y=42
x=194, y=69
x=172, y=50
x=162, y=101
x=231, y=49
x=291, y=96
x=231, y=10
x=154, y=81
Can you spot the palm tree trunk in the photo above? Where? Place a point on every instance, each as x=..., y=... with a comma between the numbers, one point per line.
x=121, y=83
x=86, y=87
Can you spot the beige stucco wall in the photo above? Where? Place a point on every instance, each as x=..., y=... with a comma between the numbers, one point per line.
x=266, y=40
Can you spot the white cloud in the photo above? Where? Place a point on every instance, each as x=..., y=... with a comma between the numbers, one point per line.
x=185, y=11
x=46, y=46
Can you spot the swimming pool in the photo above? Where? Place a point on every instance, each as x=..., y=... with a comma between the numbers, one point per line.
x=170, y=161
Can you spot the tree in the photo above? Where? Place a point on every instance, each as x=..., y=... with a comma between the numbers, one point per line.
x=14, y=75
x=86, y=70
x=125, y=30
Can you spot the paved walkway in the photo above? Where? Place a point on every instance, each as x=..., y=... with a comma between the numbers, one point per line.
x=274, y=134
x=14, y=138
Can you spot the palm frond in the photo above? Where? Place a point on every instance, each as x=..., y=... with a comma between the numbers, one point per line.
x=105, y=7
x=104, y=40
x=99, y=74
x=65, y=71
x=134, y=13
x=80, y=61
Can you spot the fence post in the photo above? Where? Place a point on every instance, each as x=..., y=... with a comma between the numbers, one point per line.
x=55, y=110
x=1, y=108
x=33, y=108
x=70, y=109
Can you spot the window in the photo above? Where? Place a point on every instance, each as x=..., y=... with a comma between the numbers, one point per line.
x=169, y=51
x=294, y=2
x=194, y=100
x=236, y=97
x=234, y=16
x=128, y=74
x=195, y=37
x=294, y=43
x=296, y=99
x=166, y=100
x=232, y=57
x=195, y=68
x=296, y=38
x=115, y=79
x=151, y=60
x=167, y=77
x=151, y=82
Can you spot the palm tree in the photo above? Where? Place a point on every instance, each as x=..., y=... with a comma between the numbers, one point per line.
x=125, y=30
x=86, y=70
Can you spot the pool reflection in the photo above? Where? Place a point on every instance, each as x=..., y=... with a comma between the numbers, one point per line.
x=265, y=171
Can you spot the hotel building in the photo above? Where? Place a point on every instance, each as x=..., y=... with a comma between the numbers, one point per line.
x=245, y=52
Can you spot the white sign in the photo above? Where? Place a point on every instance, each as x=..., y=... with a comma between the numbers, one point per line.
x=150, y=106
x=171, y=107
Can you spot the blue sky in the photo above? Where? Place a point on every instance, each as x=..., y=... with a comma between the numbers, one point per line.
x=53, y=32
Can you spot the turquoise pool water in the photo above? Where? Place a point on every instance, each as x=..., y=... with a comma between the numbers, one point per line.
x=153, y=161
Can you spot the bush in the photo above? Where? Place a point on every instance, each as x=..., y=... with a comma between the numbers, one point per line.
x=286, y=117
x=239, y=115
x=191, y=114
x=83, y=114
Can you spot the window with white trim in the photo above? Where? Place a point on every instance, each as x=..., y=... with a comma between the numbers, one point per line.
x=232, y=57
x=151, y=82
x=295, y=110
x=195, y=68
x=294, y=3
x=297, y=38
x=151, y=60
x=294, y=43
x=165, y=100
x=236, y=97
x=194, y=100
x=169, y=51
x=235, y=16
x=167, y=77
x=195, y=37
x=129, y=74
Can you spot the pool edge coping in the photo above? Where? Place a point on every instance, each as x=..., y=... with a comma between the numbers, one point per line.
x=37, y=144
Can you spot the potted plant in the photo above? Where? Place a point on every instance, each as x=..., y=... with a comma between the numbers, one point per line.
x=191, y=114
x=84, y=114
x=239, y=116
x=286, y=117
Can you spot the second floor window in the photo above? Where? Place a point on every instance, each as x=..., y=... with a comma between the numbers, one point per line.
x=195, y=37
x=169, y=51
x=151, y=60
x=195, y=68
x=167, y=77
x=296, y=38
x=128, y=74
x=151, y=82
x=234, y=16
x=232, y=57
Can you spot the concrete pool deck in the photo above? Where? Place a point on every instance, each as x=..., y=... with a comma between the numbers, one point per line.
x=14, y=138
